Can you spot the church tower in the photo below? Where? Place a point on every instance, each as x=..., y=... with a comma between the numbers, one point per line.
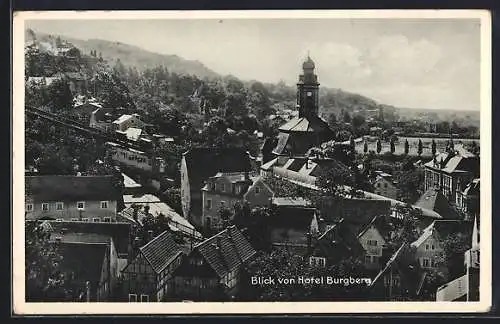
x=308, y=90
x=306, y=130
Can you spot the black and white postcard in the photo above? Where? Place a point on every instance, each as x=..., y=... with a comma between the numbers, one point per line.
x=252, y=162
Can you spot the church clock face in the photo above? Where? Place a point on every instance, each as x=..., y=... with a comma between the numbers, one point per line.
x=309, y=93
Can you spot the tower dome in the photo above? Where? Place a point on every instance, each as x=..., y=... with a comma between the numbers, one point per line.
x=308, y=64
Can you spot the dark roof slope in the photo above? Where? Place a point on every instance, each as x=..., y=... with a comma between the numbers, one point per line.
x=433, y=199
x=203, y=162
x=119, y=232
x=306, y=124
x=226, y=250
x=84, y=260
x=161, y=251
x=381, y=224
x=71, y=188
x=339, y=241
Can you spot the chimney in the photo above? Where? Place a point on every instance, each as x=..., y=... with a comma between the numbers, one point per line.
x=150, y=235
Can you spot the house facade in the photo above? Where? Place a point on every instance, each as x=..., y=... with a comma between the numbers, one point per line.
x=148, y=277
x=383, y=185
x=199, y=164
x=448, y=172
x=75, y=198
x=124, y=122
x=468, y=199
x=373, y=240
x=102, y=118
x=214, y=268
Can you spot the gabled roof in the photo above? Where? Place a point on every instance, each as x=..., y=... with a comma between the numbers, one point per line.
x=433, y=199
x=338, y=241
x=395, y=260
x=122, y=118
x=226, y=250
x=72, y=188
x=119, y=232
x=380, y=223
x=161, y=251
x=456, y=162
x=453, y=290
x=203, y=162
x=444, y=228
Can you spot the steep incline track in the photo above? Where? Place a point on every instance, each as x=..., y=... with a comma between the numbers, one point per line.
x=96, y=133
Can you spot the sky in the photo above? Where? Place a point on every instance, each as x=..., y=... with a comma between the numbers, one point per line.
x=411, y=63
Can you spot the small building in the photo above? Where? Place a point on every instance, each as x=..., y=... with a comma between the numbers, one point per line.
x=75, y=198
x=90, y=261
x=447, y=172
x=399, y=279
x=291, y=223
x=148, y=277
x=131, y=186
x=374, y=238
x=87, y=107
x=384, y=185
x=199, y=164
x=124, y=122
x=429, y=247
x=337, y=243
x=213, y=270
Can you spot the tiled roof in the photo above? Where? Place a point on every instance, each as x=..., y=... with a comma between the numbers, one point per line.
x=339, y=240
x=305, y=124
x=161, y=251
x=380, y=223
x=122, y=118
x=119, y=232
x=460, y=162
x=226, y=250
x=391, y=262
x=290, y=202
x=203, y=163
x=72, y=188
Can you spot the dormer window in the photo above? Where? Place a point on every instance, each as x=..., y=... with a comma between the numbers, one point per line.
x=104, y=205
x=45, y=207
x=59, y=206
x=80, y=205
x=257, y=190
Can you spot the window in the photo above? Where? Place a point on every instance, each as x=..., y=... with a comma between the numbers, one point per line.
x=29, y=207
x=427, y=246
x=425, y=263
x=107, y=219
x=257, y=190
x=208, y=222
x=222, y=203
x=85, y=220
x=385, y=185
x=59, y=206
x=132, y=298
x=317, y=261
x=74, y=219
x=45, y=207
x=379, y=185
x=209, y=204
x=80, y=205
x=59, y=220
x=222, y=187
x=433, y=247
x=144, y=298
x=104, y=205
x=368, y=259
x=371, y=242
x=96, y=219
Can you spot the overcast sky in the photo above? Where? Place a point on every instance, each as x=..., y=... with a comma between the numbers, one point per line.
x=403, y=62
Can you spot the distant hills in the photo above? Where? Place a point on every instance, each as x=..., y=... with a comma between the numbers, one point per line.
x=129, y=55
x=331, y=100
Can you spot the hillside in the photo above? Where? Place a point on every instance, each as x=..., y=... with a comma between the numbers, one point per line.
x=129, y=55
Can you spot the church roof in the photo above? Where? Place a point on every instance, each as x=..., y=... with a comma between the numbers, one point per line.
x=305, y=124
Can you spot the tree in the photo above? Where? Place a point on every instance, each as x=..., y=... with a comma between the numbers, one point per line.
x=60, y=97
x=332, y=120
x=433, y=147
x=45, y=280
x=393, y=146
x=346, y=117
x=379, y=146
x=352, y=144
x=365, y=147
x=225, y=215
x=420, y=147
x=407, y=147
